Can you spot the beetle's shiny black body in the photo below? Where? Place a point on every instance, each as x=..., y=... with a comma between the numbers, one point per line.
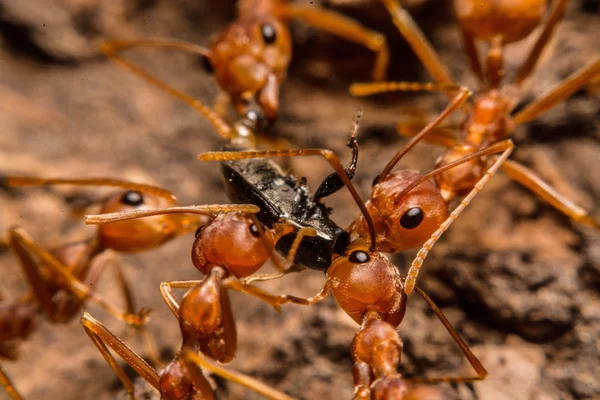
x=285, y=198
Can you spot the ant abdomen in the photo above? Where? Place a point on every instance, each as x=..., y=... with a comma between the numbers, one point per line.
x=406, y=222
x=509, y=19
x=235, y=242
x=368, y=282
x=138, y=234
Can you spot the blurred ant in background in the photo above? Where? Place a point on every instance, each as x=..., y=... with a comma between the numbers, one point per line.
x=250, y=58
x=63, y=279
x=489, y=120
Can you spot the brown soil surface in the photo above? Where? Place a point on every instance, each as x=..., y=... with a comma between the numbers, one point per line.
x=518, y=280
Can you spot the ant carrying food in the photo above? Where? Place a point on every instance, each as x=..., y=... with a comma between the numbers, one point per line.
x=489, y=120
x=234, y=245
x=287, y=205
x=250, y=58
x=63, y=279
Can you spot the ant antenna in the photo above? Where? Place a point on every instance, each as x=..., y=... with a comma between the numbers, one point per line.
x=356, y=124
x=112, y=47
x=458, y=100
x=495, y=148
x=38, y=181
x=208, y=210
x=361, y=204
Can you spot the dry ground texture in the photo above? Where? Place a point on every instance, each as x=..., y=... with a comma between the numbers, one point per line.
x=518, y=280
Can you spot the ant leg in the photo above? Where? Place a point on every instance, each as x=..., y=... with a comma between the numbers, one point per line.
x=10, y=180
x=32, y=267
x=147, y=338
x=473, y=54
x=195, y=362
x=69, y=282
x=167, y=294
x=111, y=48
x=459, y=99
x=8, y=385
x=333, y=183
x=102, y=337
x=558, y=9
x=345, y=28
x=418, y=42
x=564, y=90
x=310, y=232
x=277, y=301
x=531, y=181
x=413, y=272
x=473, y=360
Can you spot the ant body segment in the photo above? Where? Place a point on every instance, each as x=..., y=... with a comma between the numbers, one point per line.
x=250, y=58
x=63, y=279
x=489, y=120
x=233, y=246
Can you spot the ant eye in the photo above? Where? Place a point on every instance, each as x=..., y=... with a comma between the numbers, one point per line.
x=254, y=230
x=198, y=231
x=359, y=257
x=208, y=67
x=412, y=218
x=132, y=198
x=268, y=32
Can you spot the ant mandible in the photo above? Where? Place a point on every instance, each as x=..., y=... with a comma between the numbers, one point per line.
x=234, y=245
x=489, y=120
x=249, y=60
x=63, y=279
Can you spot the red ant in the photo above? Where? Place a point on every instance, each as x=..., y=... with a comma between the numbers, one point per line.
x=63, y=279
x=249, y=60
x=406, y=209
x=489, y=120
x=233, y=246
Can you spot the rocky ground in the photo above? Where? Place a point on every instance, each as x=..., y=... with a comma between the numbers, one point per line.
x=518, y=280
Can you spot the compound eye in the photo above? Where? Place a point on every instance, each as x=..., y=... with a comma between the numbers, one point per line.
x=268, y=32
x=208, y=67
x=359, y=257
x=412, y=218
x=198, y=231
x=132, y=198
x=254, y=230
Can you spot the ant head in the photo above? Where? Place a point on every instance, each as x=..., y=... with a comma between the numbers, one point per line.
x=236, y=242
x=249, y=61
x=138, y=234
x=368, y=281
x=512, y=20
x=405, y=222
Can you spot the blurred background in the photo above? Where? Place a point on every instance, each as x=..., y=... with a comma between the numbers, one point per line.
x=518, y=280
